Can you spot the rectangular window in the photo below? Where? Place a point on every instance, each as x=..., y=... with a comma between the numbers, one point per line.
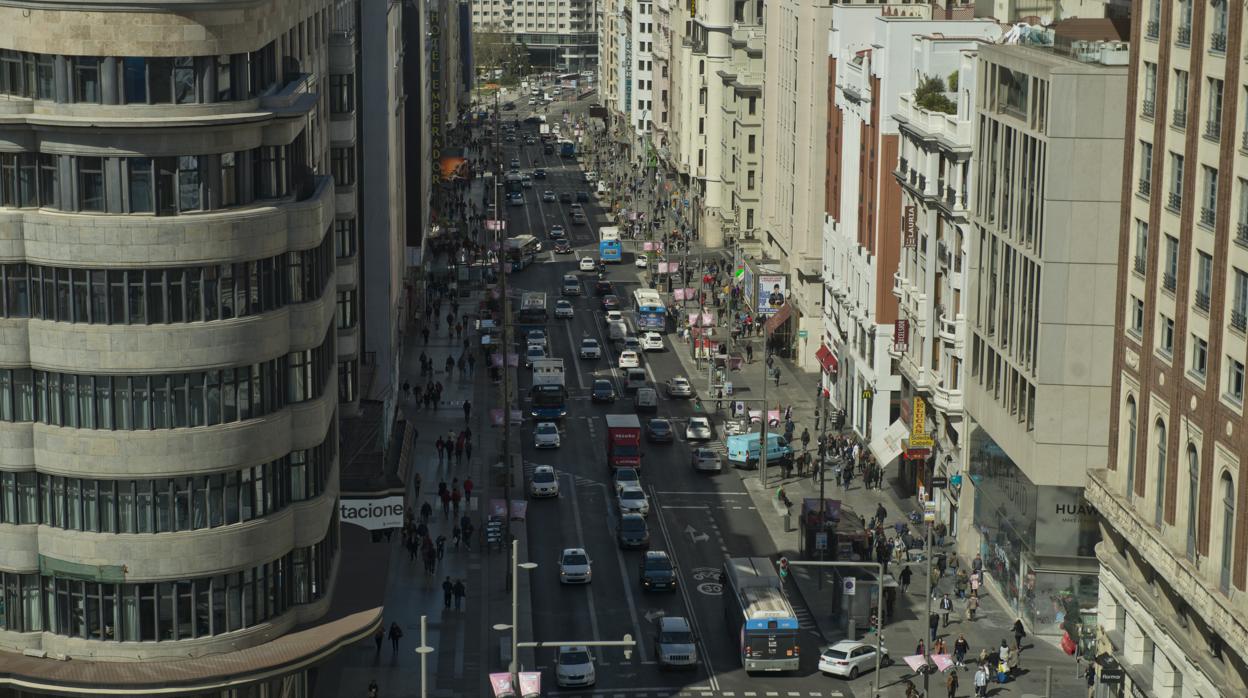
x=342, y=166
x=1213, y=118
x=134, y=80
x=1137, y=315
x=1200, y=356
x=1204, y=279
x=228, y=195
x=87, y=79
x=190, y=192
x=225, y=79
x=49, y=181
x=160, y=80
x=1166, y=343
x=1176, y=181
x=1146, y=167
x=1180, y=97
x=139, y=186
x=1169, y=279
x=750, y=140
x=90, y=184
x=1141, y=245
x=184, y=80
x=45, y=77
x=341, y=94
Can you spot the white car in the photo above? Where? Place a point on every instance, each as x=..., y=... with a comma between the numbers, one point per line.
x=679, y=386
x=625, y=477
x=575, y=567
x=546, y=435
x=629, y=359
x=537, y=337
x=557, y=232
x=544, y=482
x=698, y=429
x=652, y=341
x=631, y=343
x=532, y=353
x=614, y=316
x=590, y=349
x=632, y=500
x=563, y=309
x=588, y=264
x=641, y=261
x=574, y=667
x=848, y=658
x=706, y=460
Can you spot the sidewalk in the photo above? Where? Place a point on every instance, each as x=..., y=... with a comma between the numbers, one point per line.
x=909, y=622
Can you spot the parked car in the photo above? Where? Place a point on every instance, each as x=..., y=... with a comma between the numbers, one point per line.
x=659, y=430
x=546, y=435
x=544, y=482
x=575, y=567
x=698, y=429
x=657, y=571
x=631, y=532
x=679, y=386
x=603, y=390
x=848, y=658
x=675, y=645
x=590, y=349
x=574, y=667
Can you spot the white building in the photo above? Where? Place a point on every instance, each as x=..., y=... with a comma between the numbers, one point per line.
x=641, y=38
x=559, y=34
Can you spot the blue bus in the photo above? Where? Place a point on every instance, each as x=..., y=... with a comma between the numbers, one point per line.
x=549, y=401
x=651, y=314
x=609, y=248
x=515, y=182
x=756, y=608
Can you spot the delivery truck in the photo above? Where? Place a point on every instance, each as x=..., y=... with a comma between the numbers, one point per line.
x=623, y=441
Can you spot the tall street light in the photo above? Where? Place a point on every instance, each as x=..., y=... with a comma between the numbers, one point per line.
x=424, y=650
x=516, y=566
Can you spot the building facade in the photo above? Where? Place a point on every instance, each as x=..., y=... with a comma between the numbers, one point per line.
x=559, y=34
x=1045, y=208
x=1171, y=497
x=175, y=247
x=640, y=15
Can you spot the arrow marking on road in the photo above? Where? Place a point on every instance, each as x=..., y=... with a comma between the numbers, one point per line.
x=695, y=536
x=651, y=615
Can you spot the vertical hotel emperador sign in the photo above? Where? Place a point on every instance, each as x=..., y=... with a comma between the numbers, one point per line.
x=435, y=88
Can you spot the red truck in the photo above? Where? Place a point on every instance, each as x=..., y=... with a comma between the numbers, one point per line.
x=623, y=441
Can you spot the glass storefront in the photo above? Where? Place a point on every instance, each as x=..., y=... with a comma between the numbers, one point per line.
x=1036, y=541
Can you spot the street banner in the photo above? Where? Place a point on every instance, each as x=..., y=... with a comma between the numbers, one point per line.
x=498, y=508
x=374, y=513
x=501, y=684
x=530, y=684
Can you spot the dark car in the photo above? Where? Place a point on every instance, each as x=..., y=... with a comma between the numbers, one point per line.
x=531, y=120
x=548, y=149
x=563, y=247
x=659, y=431
x=632, y=532
x=603, y=288
x=509, y=106
x=514, y=164
x=610, y=302
x=658, y=572
x=539, y=173
x=565, y=197
x=582, y=196
x=603, y=391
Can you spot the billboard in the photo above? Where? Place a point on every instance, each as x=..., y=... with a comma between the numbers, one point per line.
x=374, y=514
x=773, y=291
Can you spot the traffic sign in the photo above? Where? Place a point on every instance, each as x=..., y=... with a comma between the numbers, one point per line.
x=802, y=334
x=939, y=481
x=849, y=585
x=821, y=540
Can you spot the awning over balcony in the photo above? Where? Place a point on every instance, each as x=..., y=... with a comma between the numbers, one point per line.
x=826, y=359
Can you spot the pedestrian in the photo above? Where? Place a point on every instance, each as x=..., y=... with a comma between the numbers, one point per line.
x=378, y=637
x=467, y=454
x=972, y=605
x=933, y=624
x=977, y=565
x=440, y=446
x=976, y=580
x=372, y=688
x=1011, y=661
x=1003, y=652
x=1090, y=675
x=426, y=510
x=467, y=534
x=459, y=451
x=441, y=543
x=981, y=681
x=951, y=684
x=1019, y=634
x=395, y=633
x=960, y=648
x=921, y=648
x=468, y=480
x=467, y=409
x=460, y=592
x=455, y=536
x=448, y=588
x=946, y=606
x=455, y=497
x=904, y=578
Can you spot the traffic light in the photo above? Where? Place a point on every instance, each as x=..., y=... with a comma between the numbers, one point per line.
x=783, y=564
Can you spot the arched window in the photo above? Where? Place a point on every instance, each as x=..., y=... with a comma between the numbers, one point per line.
x=1132, y=429
x=1193, y=491
x=1228, y=530
x=1160, y=433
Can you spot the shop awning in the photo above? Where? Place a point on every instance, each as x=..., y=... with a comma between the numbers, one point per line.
x=826, y=359
x=775, y=321
x=887, y=446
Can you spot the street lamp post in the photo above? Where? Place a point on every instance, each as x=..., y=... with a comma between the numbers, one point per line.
x=424, y=650
x=879, y=623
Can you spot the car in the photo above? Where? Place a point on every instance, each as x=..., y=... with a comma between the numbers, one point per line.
x=510, y=139
x=591, y=176
x=706, y=460
x=544, y=482
x=629, y=343
x=679, y=386
x=652, y=341
x=565, y=197
x=603, y=390
x=533, y=353
x=540, y=173
x=587, y=264
x=631, y=532
x=590, y=349
x=633, y=500
x=698, y=429
x=526, y=181
x=603, y=288
x=574, y=667
x=563, y=247
x=576, y=207
x=641, y=261
x=515, y=198
x=563, y=309
x=658, y=572
x=582, y=196
x=610, y=302
x=509, y=106
x=578, y=218
x=660, y=430
x=548, y=149
x=533, y=120
x=548, y=196
x=625, y=477
x=848, y=658
x=557, y=232
x=514, y=164
x=546, y=435
x=537, y=337
x=575, y=567
x=628, y=359
x=675, y=645
x=571, y=285
x=530, y=140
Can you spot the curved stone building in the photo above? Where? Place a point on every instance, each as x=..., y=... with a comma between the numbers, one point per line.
x=168, y=346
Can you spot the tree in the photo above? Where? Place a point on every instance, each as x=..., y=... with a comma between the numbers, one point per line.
x=953, y=81
x=930, y=95
x=494, y=47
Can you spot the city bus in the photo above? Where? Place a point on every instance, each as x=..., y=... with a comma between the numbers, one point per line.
x=651, y=315
x=515, y=182
x=609, y=248
x=756, y=608
x=549, y=401
x=532, y=308
x=521, y=251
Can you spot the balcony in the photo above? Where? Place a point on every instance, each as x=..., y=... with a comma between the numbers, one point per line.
x=1180, y=118
x=1213, y=129
x=1148, y=108
x=1168, y=282
x=898, y=284
x=948, y=329
x=1207, y=216
x=1139, y=265
x=903, y=166
x=1239, y=320
x=1241, y=234
x=1202, y=301
x=1217, y=42
x=1174, y=202
x=922, y=183
x=1152, y=30
x=1184, y=37
x=1146, y=188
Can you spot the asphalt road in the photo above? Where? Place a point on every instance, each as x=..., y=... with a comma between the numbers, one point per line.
x=698, y=518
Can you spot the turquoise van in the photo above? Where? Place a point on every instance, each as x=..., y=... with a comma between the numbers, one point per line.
x=743, y=450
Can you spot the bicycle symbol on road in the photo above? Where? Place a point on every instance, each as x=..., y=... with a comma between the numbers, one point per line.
x=708, y=581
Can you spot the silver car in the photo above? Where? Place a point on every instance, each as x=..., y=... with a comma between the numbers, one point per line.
x=544, y=482
x=632, y=500
x=575, y=567
x=574, y=667
x=679, y=386
x=675, y=644
x=706, y=460
x=698, y=429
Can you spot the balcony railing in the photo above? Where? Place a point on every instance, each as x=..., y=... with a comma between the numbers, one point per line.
x=1153, y=29
x=1148, y=108
x=1139, y=265
x=1217, y=42
x=1146, y=187
x=1180, y=118
x=1168, y=281
x=1202, y=300
x=1207, y=216
x=1175, y=201
x=1239, y=320
x=903, y=165
x=1213, y=129
x=1184, y=37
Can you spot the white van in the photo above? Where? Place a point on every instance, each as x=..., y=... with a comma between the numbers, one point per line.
x=571, y=285
x=647, y=399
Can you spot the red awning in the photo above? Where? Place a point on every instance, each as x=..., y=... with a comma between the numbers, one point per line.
x=826, y=359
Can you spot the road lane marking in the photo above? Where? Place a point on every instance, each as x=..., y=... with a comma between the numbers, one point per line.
x=628, y=588
x=580, y=543
x=714, y=494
